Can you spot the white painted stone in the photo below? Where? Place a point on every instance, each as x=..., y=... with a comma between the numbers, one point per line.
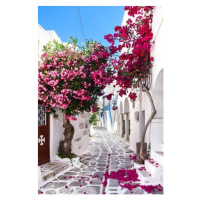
x=158, y=157
x=81, y=126
x=84, y=142
x=77, y=140
x=84, y=115
x=87, y=124
x=85, y=132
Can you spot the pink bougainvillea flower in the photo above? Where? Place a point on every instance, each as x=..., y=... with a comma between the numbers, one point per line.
x=135, y=37
x=115, y=108
x=150, y=188
x=109, y=96
x=132, y=96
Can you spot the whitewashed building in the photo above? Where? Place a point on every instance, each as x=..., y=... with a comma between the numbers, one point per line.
x=129, y=120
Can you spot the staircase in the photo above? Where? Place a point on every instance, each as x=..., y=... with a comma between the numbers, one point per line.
x=152, y=170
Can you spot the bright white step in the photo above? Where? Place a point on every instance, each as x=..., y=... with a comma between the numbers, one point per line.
x=144, y=176
x=155, y=169
x=151, y=166
x=158, y=156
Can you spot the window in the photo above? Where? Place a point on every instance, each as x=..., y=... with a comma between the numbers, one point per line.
x=41, y=115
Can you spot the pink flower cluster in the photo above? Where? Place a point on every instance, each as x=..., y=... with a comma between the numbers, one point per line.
x=109, y=96
x=72, y=80
x=122, y=175
x=151, y=188
x=127, y=179
x=152, y=161
x=70, y=117
x=115, y=108
x=142, y=169
x=132, y=96
x=135, y=37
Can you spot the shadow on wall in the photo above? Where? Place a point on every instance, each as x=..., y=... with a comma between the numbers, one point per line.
x=158, y=95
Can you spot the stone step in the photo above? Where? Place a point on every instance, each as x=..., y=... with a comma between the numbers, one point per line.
x=151, y=165
x=155, y=169
x=49, y=170
x=144, y=175
x=158, y=156
x=150, y=174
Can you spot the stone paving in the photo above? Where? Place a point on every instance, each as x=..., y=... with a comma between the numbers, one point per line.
x=88, y=178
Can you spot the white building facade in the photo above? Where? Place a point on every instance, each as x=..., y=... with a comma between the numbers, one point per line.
x=128, y=123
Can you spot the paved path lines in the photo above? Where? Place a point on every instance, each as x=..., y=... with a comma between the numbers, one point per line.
x=88, y=178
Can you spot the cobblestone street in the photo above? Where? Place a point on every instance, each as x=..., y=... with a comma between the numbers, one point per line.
x=106, y=152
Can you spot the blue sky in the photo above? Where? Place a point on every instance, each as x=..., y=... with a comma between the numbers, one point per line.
x=97, y=21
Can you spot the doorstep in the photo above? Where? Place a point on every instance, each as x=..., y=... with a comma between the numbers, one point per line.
x=49, y=170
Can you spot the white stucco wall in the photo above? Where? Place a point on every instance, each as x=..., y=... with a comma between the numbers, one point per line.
x=134, y=137
x=56, y=133
x=157, y=49
x=156, y=135
x=108, y=125
x=80, y=141
x=44, y=37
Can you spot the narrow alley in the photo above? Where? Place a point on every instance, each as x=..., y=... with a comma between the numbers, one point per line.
x=106, y=153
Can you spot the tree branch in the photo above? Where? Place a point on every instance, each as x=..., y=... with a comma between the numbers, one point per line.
x=146, y=90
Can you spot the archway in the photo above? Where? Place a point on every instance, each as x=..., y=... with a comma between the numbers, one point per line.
x=126, y=105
